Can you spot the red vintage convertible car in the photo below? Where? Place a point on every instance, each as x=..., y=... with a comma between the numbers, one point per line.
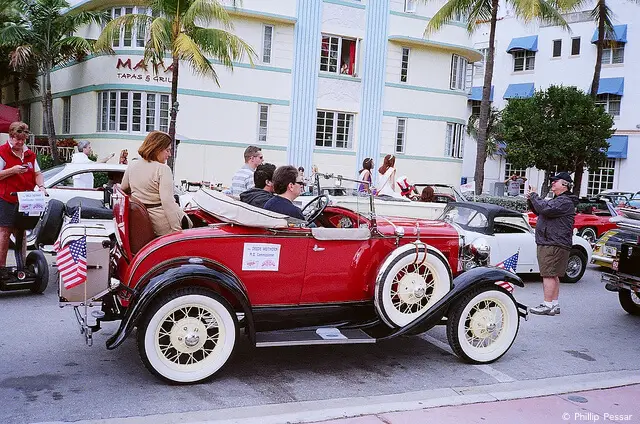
x=346, y=279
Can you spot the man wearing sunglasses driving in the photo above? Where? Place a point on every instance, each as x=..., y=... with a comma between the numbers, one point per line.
x=19, y=171
x=287, y=184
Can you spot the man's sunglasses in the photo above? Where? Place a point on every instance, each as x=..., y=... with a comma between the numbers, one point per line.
x=21, y=131
x=300, y=182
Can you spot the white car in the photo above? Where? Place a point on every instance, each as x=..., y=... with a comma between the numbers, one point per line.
x=508, y=232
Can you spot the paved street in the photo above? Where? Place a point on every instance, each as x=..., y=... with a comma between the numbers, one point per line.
x=48, y=374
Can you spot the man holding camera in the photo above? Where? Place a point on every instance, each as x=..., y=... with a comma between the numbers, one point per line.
x=554, y=235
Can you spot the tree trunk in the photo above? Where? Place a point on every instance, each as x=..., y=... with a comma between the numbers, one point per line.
x=174, y=112
x=595, y=84
x=577, y=177
x=47, y=110
x=485, y=104
x=16, y=90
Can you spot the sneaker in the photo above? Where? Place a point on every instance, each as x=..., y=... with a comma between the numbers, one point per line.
x=543, y=309
x=556, y=309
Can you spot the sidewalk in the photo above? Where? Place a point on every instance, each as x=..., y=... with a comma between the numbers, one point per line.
x=620, y=405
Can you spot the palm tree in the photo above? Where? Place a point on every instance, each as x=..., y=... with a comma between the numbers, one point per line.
x=44, y=38
x=479, y=12
x=174, y=28
x=494, y=130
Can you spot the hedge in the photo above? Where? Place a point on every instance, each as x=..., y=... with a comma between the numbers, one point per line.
x=514, y=203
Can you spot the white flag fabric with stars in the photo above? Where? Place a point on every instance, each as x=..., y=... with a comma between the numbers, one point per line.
x=510, y=264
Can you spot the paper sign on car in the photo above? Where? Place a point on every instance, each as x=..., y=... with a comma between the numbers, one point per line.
x=261, y=257
x=31, y=202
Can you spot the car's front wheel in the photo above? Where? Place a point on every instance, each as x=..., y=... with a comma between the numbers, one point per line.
x=589, y=234
x=576, y=266
x=187, y=335
x=482, y=326
x=630, y=301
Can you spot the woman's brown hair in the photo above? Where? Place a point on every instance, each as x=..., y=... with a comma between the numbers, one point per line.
x=389, y=162
x=154, y=143
x=17, y=125
x=427, y=195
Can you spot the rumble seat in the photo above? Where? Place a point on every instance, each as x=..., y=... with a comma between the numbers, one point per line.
x=321, y=233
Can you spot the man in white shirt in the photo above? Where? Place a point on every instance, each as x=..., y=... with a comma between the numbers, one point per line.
x=85, y=179
x=243, y=179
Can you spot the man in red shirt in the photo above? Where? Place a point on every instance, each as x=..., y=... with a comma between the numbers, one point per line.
x=19, y=171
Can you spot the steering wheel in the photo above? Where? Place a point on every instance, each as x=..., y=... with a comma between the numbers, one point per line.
x=315, y=207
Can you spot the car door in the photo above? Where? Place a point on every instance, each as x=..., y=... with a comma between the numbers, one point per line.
x=64, y=189
x=516, y=236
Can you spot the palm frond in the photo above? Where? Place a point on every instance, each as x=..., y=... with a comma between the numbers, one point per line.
x=453, y=7
x=160, y=41
x=205, y=12
x=186, y=49
x=13, y=34
x=21, y=57
x=606, y=15
x=113, y=29
x=542, y=10
x=73, y=47
x=222, y=45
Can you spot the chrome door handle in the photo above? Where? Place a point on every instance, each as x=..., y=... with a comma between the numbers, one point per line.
x=317, y=249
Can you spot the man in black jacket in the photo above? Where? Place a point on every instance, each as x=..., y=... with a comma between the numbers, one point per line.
x=554, y=237
x=263, y=189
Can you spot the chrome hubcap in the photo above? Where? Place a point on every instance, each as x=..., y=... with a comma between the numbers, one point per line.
x=484, y=324
x=574, y=266
x=411, y=288
x=188, y=335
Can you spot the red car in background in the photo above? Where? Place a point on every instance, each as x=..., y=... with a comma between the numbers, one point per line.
x=592, y=218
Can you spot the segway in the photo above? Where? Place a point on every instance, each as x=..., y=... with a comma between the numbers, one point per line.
x=34, y=273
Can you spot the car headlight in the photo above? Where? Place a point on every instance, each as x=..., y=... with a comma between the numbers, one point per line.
x=480, y=249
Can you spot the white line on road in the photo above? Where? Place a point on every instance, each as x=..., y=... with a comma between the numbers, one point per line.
x=487, y=369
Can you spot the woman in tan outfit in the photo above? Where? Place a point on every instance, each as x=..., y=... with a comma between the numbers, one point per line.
x=150, y=181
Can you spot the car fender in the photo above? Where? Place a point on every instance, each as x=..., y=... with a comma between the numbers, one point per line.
x=582, y=243
x=462, y=284
x=174, y=277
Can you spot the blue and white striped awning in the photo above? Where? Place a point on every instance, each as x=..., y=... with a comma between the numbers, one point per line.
x=611, y=86
x=618, y=147
x=521, y=91
x=619, y=34
x=524, y=43
x=476, y=94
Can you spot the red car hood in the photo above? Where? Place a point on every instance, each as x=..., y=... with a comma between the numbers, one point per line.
x=428, y=228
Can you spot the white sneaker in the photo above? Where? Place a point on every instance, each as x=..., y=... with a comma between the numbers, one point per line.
x=543, y=309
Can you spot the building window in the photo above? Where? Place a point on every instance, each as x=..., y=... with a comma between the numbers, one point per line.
x=132, y=37
x=338, y=55
x=334, y=129
x=263, y=122
x=557, y=48
x=454, y=143
x=458, y=17
x=459, y=75
x=66, y=115
x=410, y=6
x=610, y=103
x=404, y=69
x=524, y=60
x=475, y=107
x=575, y=46
x=132, y=111
x=401, y=135
x=601, y=179
x=510, y=170
x=613, y=53
x=481, y=64
x=267, y=41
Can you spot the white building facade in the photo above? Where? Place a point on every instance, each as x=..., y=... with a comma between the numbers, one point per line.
x=532, y=57
x=334, y=82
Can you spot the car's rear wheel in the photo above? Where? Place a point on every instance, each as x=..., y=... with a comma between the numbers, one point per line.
x=482, y=326
x=576, y=266
x=187, y=335
x=630, y=301
x=48, y=228
x=409, y=284
x=37, y=263
x=589, y=234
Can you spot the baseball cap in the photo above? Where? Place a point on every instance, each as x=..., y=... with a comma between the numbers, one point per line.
x=562, y=176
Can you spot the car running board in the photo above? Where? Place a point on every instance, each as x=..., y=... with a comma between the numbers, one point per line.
x=319, y=336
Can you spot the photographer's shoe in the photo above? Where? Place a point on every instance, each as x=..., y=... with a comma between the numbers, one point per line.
x=543, y=309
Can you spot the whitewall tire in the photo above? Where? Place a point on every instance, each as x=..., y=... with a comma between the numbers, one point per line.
x=187, y=335
x=482, y=326
x=408, y=285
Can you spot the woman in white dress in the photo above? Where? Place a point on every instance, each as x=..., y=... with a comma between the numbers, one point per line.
x=387, y=177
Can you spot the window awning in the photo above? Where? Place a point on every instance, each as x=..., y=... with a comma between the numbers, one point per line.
x=618, y=147
x=501, y=148
x=476, y=94
x=619, y=34
x=524, y=43
x=611, y=86
x=8, y=115
x=521, y=91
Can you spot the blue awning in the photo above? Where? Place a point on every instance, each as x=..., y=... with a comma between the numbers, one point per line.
x=611, y=86
x=618, y=147
x=501, y=148
x=524, y=43
x=619, y=34
x=522, y=91
x=476, y=94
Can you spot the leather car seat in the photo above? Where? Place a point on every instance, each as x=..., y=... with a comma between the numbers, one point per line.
x=139, y=219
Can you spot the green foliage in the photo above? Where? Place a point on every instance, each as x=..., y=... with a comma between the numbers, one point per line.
x=561, y=127
x=45, y=161
x=514, y=203
x=494, y=129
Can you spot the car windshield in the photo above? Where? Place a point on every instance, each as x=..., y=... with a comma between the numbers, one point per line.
x=51, y=172
x=467, y=218
x=443, y=190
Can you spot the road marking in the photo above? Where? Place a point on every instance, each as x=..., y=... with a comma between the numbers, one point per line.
x=487, y=369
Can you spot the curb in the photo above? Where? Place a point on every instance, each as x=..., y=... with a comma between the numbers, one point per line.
x=322, y=410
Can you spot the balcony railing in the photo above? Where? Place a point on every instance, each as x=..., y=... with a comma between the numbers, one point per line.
x=65, y=152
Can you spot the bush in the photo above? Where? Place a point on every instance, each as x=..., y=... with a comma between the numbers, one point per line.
x=514, y=203
x=45, y=161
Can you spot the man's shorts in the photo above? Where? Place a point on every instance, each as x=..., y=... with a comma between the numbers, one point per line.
x=553, y=260
x=8, y=213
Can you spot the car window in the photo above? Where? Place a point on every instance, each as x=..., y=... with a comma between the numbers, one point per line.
x=510, y=224
x=52, y=172
x=99, y=179
x=466, y=217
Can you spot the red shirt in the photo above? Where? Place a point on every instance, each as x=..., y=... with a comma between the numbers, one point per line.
x=17, y=182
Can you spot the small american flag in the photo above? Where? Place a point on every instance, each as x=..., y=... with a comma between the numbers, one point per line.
x=72, y=263
x=75, y=219
x=510, y=264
